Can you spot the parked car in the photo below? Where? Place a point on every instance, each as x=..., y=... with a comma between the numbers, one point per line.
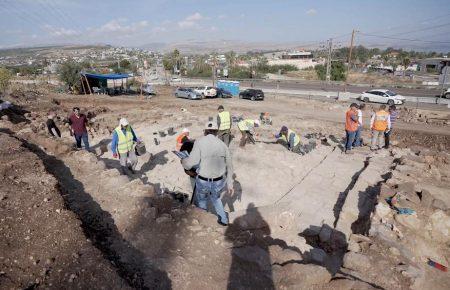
x=147, y=89
x=221, y=93
x=446, y=94
x=252, y=94
x=208, y=92
x=382, y=96
x=187, y=93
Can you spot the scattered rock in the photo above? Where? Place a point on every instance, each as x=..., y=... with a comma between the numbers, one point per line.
x=356, y=262
x=300, y=276
x=409, y=221
x=354, y=247
x=439, y=204
x=394, y=251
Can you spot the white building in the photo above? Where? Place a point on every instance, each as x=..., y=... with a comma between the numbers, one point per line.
x=299, y=59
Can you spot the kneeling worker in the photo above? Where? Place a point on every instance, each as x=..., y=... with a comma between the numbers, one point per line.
x=224, y=124
x=247, y=128
x=183, y=137
x=291, y=139
x=215, y=172
x=122, y=145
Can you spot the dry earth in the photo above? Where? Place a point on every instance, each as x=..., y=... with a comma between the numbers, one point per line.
x=319, y=221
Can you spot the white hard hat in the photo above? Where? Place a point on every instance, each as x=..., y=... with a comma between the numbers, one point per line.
x=185, y=130
x=257, y=122
x=123, y=122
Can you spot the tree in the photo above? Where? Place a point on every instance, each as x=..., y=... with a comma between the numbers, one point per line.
x=337, y=71
x=5, y=77
x=69, y=73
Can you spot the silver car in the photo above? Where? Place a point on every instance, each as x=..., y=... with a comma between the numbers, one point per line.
x=187, y=93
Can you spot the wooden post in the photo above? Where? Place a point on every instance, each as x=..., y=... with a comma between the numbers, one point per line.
x=89, y=86
x=82, y=84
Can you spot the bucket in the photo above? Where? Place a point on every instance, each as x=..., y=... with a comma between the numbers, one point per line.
x=140, y=149
x=162, y=134
x=170, y=131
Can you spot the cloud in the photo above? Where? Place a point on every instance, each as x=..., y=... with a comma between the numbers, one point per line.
x=191, y=21
x=121, y=25
x=311, y=11
x=60, y=32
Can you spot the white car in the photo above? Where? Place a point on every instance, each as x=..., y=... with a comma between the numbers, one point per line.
x=206, y=91
x=382, y=96
x=446, y=94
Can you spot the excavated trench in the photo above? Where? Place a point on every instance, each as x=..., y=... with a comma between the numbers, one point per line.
x=96, y=223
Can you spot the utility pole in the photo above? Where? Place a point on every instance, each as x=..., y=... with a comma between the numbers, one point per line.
x=330, y=48
x=349, y=57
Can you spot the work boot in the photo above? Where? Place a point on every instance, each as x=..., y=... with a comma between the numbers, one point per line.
x=131, y=169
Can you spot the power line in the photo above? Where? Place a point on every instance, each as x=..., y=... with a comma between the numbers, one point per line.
x=404, y=39
x=419, y=30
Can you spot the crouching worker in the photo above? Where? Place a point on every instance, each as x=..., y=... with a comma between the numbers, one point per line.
x=289, y=137
x=247, y=128
x=122, y=146
x=215, y=173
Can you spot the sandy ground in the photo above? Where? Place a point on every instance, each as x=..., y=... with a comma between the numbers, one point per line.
x=296, y=219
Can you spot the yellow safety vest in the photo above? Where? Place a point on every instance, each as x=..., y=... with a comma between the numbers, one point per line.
x=381, y=121
x=125, y=141
x=286, y=139
x=246, y=124
x=225, y=123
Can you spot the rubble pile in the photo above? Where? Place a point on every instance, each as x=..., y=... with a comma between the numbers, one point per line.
x=411, y=115
x=409, y=231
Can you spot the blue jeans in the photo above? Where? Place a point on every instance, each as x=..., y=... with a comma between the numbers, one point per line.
x=357, y=142
x=350, y=137
x=85, y=139
x=212, y=190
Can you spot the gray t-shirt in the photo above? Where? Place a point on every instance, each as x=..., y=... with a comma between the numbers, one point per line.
x=213, y=157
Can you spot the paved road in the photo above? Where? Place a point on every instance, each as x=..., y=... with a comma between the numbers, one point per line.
x=317, y=86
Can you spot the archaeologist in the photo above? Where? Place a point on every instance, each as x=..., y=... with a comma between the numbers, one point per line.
x=247, y=128
x=290, y=138
x=122, y=146
x=351, y=126
x=215, y=173
x=379, y=123
x=224, y=124
x=78, y=123
x=358, y=140
x=393, y=115
x=183, y=137
x=51, y=125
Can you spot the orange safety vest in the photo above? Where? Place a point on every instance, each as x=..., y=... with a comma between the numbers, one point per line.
x=381, y=121
x=350, y=125
x=180, y=140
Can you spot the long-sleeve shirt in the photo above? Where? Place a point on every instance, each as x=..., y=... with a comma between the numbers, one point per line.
x=115, y=139
x=372, y=120
x=213, y=158
x=78, y=124
x=290, y=140
x=393, y=116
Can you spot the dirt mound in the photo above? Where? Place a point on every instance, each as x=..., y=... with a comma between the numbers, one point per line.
x=41, y=242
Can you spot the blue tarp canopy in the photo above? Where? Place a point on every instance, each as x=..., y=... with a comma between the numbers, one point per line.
x=106, y=76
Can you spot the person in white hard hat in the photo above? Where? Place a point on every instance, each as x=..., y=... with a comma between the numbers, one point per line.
x=215, y=173
x=247, y=128
x=183, y=137
x=122, y=145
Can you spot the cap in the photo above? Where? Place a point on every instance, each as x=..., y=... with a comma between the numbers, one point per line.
x=257, y=122
x=211, y=126
x=220, y=107
x=284, y=129
x=185, y=130
x=123, y=122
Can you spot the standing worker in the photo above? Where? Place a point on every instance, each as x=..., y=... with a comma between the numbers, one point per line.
x=291, y=139
x=358, y=140
x=51, y=125
x=393, y=115
x=183, y=137
x=247, y=128
x=78, y=129
x=122, y=145
x=351, y=126
x=224, y=125
x=215, y=171
x=379, y=123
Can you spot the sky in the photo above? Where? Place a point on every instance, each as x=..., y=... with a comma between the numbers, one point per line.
x=134, y=23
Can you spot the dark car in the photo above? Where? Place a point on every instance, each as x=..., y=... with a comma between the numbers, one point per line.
x=252, y=94
x=221, y=93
